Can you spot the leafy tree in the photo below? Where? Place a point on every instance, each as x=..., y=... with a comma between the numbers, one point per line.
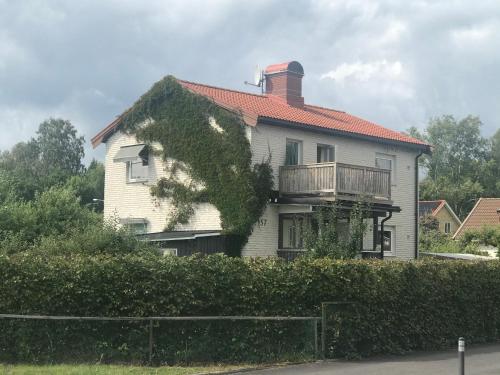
x=46, y=160
x=463, y=165
x=89, y=185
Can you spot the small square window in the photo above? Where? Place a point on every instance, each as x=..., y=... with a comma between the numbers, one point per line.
x=137, y=170
x=325, y=154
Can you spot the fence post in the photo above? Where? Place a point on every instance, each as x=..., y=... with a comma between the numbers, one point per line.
x=323, y=330
x=461, y=356
x=150, y=341
x=315, y=327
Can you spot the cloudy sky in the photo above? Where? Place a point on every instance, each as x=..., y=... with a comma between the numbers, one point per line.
x=396, y=62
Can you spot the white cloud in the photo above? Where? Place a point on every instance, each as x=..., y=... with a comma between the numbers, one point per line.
x=363, y=72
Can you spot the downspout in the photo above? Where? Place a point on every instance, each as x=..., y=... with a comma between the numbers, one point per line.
x=416, y=204
x=382, y=234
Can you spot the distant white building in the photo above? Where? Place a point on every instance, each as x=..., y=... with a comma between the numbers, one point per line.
x=319, y=155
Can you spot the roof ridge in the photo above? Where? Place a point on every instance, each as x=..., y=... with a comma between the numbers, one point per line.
x=321, y=107
x=221, y=88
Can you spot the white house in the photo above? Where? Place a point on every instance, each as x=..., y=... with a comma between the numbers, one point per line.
x=319, y=155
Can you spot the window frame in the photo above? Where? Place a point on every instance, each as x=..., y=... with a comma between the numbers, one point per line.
x=130, y=225
x=145, y=163
x=392, y=159
x=298, y=241
x=299, y=151
x=330, y=147
x=392, y=230
x=447, y=225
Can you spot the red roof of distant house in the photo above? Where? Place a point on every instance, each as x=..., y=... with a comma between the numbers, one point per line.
x=258, y=107
x=485, y=212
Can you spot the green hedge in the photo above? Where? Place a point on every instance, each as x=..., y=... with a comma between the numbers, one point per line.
x=399, y=306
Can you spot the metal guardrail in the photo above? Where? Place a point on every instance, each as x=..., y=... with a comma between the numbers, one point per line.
x=152, y=319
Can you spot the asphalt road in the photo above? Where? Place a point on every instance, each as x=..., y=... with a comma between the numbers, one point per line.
x=479, y=360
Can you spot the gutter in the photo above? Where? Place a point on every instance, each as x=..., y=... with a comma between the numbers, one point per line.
x=416, y=204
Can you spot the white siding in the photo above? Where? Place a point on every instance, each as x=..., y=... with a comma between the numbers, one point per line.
x=124, y=200
x=352, y=151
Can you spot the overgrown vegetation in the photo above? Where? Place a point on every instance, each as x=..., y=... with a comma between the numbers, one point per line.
x=206, y=154
x=431, y=239
x=47, y=199
x=324, y=238
x=399, y=306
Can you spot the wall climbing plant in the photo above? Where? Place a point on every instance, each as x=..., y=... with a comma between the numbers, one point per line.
x=206, y=143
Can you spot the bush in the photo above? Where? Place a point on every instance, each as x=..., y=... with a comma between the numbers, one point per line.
x=399, y=306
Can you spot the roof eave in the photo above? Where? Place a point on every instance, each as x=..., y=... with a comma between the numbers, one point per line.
x=272, y=121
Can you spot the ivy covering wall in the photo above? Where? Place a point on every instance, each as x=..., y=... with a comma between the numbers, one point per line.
x=208, y=143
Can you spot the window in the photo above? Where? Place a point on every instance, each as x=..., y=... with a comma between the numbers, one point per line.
x=135, y=225
x=169, y=251
x=447, y=228
x=325, y=154
x=291, y=232
x=137, y=228
x=137, y=170
x=389, y=240
x=293, y=152
x=387, y=162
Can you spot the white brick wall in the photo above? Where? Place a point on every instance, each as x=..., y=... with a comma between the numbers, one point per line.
x=133, y=200
x=124, y=200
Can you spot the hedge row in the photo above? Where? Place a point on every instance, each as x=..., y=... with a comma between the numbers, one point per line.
x=398, y=306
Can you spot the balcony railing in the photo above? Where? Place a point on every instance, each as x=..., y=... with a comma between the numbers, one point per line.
x=335, y=179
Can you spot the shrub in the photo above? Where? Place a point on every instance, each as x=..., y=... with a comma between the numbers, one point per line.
x=399, y=306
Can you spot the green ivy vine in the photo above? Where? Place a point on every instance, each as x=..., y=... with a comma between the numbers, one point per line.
x=217, y=159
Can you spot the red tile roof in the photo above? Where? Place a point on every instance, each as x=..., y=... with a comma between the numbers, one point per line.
x=254, y=107
x=485, y=212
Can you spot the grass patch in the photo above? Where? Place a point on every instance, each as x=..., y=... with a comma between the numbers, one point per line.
x=108, y=370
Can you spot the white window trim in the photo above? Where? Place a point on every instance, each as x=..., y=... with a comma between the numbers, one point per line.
x=327, y=145
x=131, y=180
x=391, y=229
x=392, y=159
x=449, y=227
x=301, y=147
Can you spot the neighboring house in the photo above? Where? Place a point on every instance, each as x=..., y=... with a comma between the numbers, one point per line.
x=486, y=212
x=441, y=210
x=319, y=155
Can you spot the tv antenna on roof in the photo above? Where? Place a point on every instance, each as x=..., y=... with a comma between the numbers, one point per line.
x=258, y=79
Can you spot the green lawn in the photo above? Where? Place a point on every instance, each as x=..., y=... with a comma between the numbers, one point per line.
x=108, y=370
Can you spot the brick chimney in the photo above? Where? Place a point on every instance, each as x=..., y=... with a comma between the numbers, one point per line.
x=285, y=81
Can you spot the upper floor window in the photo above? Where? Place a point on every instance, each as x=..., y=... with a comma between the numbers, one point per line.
x=137, y=170
x=383, y=161
x=137, y=159
x=293, y=152
x=325, y=153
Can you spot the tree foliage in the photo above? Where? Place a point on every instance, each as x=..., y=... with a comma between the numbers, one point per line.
x=463, y=166
x=48, y=159
x=324, y=239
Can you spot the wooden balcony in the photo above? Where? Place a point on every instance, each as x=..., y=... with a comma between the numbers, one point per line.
x=338, y=180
